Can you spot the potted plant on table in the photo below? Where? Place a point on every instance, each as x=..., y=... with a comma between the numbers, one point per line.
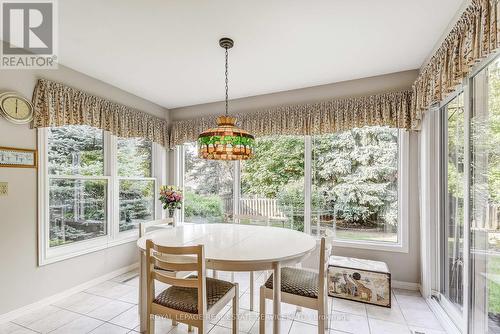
x=171, y=198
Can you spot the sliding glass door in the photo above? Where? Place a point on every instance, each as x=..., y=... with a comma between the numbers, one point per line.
x=452, y=213
x=485, y=201
x=469, y=228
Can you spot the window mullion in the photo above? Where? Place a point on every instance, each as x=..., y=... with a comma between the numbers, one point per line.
x=158, y=174
x=468, y=93
x=111, y=169
x=236, y=188
x=179, y=177
x=403, y=188
x=307, y=183
x=43, y=197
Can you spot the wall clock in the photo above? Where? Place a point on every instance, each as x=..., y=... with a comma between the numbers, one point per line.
x=16, y=108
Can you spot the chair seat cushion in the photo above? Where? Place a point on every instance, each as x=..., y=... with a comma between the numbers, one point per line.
x=297, y=282
x=186, y=299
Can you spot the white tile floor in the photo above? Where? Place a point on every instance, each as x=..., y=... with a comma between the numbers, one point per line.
x=111, y=308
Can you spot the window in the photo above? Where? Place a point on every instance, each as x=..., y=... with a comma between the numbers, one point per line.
x=350, y=185
x=355, y=184
x=94, y=189
x=208, y=188
x=78, y=190
x=136, y=186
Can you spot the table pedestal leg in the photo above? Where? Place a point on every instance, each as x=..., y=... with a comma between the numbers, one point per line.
x=276, y=297
x=143, y=310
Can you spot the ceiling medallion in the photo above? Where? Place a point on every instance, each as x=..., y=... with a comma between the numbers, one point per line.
x=226, y=141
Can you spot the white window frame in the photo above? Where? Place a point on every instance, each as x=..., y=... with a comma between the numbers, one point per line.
x=402, y=246
x=113, y=237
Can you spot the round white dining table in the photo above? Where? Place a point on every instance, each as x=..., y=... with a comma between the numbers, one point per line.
x=234, y=247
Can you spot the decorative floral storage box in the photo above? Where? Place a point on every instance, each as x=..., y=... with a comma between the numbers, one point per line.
x=359, y=280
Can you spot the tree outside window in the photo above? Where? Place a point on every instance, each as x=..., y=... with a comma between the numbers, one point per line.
x=77, y=188
x=355, y=184
x=136, y=187
x=208, y=188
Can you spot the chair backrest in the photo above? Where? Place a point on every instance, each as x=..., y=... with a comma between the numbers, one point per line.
x=324, y=255
x=186, y=258
x=254, y=219
x=312, y=261
x=158, y=223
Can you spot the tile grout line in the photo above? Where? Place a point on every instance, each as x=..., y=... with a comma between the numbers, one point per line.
x=95, y=294
x=105, y=322
x=88, y=316
x=59, y=310
x=368, y=320
x=23, y=327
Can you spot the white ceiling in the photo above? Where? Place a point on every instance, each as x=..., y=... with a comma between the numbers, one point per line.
x=167, y=51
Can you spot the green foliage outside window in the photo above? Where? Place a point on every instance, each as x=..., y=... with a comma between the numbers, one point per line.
x=355, y=180
x=203, y=206
x=355, y=174
x=76, y=150
x=78, y=208
x=136, y=195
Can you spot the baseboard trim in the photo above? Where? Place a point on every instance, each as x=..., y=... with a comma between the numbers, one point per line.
x=405, y=285
x=61, y=295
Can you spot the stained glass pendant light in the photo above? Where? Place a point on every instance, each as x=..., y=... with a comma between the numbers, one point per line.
x=226, y=141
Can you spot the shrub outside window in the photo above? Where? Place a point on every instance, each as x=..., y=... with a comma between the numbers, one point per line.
x=208, y=188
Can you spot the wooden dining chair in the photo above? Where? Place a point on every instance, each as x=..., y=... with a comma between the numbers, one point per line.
x=193, y=300
x=301, y=287
x=158, y=224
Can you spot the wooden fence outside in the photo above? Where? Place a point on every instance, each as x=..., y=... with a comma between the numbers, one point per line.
x=267, y=207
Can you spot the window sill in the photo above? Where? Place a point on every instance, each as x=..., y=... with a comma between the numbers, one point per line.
x=377, y=246
x=66, y=252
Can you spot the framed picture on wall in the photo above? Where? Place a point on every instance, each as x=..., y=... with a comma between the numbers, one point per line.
x=17, y=157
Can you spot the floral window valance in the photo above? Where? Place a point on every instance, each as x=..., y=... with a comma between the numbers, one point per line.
x=56, y=104
x=392, y=109
x=473, y=38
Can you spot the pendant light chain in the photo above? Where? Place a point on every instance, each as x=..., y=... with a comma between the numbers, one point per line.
x=227, y=141
x=227, y=86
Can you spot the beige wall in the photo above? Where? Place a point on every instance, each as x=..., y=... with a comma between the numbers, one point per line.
x=404, y=266
x=22, y=282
